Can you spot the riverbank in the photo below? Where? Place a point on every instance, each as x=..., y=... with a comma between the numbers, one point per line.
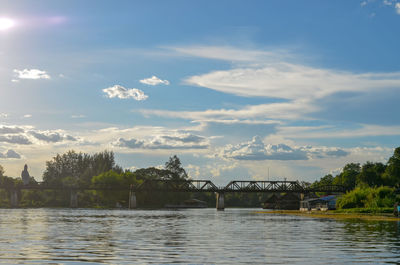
x=335, y=215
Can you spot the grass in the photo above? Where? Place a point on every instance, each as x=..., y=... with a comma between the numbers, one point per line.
x=356, y=213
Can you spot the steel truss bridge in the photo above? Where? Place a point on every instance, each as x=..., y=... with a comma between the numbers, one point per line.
x=177, y=186
x=192, y=186
x=233, y=186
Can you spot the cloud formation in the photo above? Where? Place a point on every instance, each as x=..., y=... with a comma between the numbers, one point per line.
x=31, y=74
x=10, y=154
x=229, y=53
x=121, y=92
x=286, y=110
x=51, y=136
x=15, y=139
x=27, y=135
x=80, y=116
x=257, y=150
x=10, y=130
x=178, y=141
x=292, y=81
x=153, y=81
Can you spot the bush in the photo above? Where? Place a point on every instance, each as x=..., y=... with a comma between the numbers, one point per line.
x=367, y=197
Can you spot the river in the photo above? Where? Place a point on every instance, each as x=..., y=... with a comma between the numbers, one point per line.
x=201, y=236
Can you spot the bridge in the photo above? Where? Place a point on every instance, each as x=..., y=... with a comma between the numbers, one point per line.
x=190, y=185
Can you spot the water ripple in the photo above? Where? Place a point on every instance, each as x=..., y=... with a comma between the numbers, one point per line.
x=201, y=236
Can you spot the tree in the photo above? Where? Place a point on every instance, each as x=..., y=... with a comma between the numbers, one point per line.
x=151, y=173
x=174, y=166
x=348, y=176
x=74, y=168
x=326, y=180
x=1, y=171
x=391, y=177
x=371, y=174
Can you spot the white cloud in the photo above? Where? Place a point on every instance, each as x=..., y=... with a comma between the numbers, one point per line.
x=27, y=116
x=15, y=80
x=10, y=154
x=131, y=168
x=387, y=2
x=124, y=93
x=257, y=150
x=165, y=142
x=15, y=139
x=3, y=115
x=11, y=130
x=51, y=136
x=193, y=170
x=153, y=81
x=229, y=53
x=319, y=132
x=80, y=116
x=286, y=110
x=291, y=81
x=177, y=141
x=27, y=135
x=31, y=74
x=397, y=7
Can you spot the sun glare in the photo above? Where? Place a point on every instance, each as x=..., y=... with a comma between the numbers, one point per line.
x=6, y=23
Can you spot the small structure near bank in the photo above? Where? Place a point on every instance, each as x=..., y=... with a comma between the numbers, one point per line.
x=319, y=204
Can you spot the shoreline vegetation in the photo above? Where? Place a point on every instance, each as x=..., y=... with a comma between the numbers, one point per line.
x=336, y=214
x=373, y=188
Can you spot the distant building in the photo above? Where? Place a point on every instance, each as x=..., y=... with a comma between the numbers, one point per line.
x=25, y=175
x=319, y=204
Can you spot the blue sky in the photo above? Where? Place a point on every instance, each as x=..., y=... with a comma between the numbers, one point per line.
x=234, y=88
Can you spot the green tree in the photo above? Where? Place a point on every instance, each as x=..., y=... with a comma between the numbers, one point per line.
x=348, y=177
x=151, y=173
x=111, y=179
x=74, y=168
x=1, y=171
x=326, y=180
x=174, y=166
x=371, y=174
x=391, y=177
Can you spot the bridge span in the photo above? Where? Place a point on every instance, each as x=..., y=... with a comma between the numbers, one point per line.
x=189, y=185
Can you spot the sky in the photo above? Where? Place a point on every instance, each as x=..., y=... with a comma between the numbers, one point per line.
x=238, y=90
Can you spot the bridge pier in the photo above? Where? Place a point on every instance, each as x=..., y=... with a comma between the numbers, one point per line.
x=132, y=200
x=73, y=199
x=14, y=198
x=220, y=200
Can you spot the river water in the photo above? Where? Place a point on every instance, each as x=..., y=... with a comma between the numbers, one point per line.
x=200, y=236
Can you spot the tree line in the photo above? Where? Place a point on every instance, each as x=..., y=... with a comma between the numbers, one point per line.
x=372, y=185
x=73, y=169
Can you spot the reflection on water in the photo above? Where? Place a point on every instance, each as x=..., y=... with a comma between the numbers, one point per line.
x=66, y=236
